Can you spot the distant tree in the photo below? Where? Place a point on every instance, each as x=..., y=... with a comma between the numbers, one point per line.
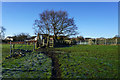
x=116, y=36
x=102, y=37
x=74, y=41
x=2, y=32
x=21, y=36
x=55, y=23
x=80, y=38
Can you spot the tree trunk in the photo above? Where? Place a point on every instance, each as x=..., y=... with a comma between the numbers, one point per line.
x=55, y=39
x=48, y=40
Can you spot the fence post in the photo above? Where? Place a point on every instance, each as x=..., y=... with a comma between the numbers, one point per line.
x=10, y=48
x=34, y=46
x=95, y=41
x=116, y=41
x=105, y=41
x=13, y=46
x=43, y=42
x=86, y=42
x=25, y=45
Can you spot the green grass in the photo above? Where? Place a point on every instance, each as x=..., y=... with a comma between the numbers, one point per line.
x=38, y=63
x=6, y=48
x=79, y=61
x=33, y=65
x=89, y=61
x=25, y=47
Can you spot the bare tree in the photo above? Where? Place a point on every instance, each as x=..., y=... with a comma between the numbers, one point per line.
x=2, y=32
x=55, y=23
x=21, y=36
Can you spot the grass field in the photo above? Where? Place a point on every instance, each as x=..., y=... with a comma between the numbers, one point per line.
x=6, y=48
x=79, y=61
x=32, y=65
x=90, y=61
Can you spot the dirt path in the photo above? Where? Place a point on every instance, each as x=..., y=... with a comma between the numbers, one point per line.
x=56, y=71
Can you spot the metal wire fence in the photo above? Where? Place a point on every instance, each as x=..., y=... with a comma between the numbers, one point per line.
x=100, y=42
x=14, y=46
